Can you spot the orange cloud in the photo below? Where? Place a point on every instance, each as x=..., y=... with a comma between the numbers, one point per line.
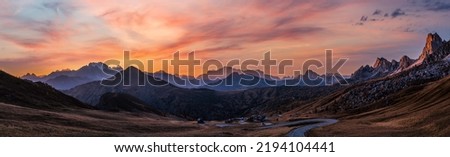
x=299, y=29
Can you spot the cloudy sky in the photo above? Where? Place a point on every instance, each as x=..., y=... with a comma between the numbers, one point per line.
x=41, y=36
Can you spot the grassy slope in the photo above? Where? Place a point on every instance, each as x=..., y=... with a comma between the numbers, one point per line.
x=416, y=111
x=24, y=121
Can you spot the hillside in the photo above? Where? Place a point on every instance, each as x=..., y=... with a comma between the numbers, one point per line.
x=416, y=111
x=34, y=95
x=410, y=100
x=124, y=102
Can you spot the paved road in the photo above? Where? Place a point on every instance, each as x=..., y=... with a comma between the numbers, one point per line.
x=300, y=132
x=308, y=124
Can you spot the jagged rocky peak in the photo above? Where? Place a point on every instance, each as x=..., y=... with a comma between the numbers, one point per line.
x=435, y=50
x=405, y=62
x=381, y=63
x=404, y=58
x=394, y=63
x=434, y=41
x=366, y=68
x=363, y=72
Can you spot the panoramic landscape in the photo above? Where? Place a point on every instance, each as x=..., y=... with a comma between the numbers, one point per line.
x=272, y=68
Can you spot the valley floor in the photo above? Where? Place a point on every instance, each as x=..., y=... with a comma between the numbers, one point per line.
x=22, y=121
x=32, y=122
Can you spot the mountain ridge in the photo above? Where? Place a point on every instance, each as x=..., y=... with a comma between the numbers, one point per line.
x=66, y=79
x=435, y=50
x=38, y=95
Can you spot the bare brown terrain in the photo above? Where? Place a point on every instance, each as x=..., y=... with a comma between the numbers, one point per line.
x=36, y=109
x=420, y=110
x=417, y=111
x=23, y=121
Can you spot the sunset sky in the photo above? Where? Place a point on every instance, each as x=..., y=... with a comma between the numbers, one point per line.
x=40, y=36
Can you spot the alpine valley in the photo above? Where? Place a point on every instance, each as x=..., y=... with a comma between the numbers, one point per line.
x=404, y=97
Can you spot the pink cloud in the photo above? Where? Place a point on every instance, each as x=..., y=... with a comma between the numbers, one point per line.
x=216, y=29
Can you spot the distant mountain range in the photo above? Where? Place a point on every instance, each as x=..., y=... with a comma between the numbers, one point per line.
x=382, y=92
x=230, y=79
x=66, y=79
x=240, y=81
x=188, y=103
x=223, y=79
x=376, y=81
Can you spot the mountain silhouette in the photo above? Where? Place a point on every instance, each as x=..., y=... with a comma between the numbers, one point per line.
x=34, y=95
x=66, y=79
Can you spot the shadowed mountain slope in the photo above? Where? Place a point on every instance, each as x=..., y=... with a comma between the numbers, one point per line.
x=34, y=95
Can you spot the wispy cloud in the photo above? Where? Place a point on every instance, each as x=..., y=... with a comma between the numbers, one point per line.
x=102, y=29
x=432, y=5
x=377, y=12
x=398, y=12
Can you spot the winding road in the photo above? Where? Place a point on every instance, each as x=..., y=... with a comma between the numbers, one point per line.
x=300, y=132
x=308, y=125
